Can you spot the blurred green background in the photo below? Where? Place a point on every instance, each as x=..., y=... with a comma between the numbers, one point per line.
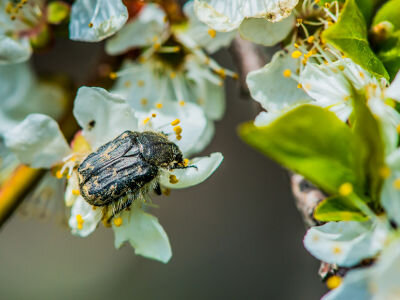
x=236, y=236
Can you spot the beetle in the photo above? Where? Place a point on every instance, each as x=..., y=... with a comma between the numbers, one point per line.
x=126, y=168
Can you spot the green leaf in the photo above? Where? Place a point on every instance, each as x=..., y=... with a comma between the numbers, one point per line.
x=367, y=127
x=57, y=12
x=349, y=35
x=389, y=12
x=338, y=208
x=312, y=141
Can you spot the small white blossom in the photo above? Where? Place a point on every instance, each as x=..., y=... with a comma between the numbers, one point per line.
x=346, y=243
x=378, y=282
x=228, y=15
x=95, y=20
x=172, y=66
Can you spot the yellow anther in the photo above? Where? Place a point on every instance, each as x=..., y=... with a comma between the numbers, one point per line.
x=59, y=175
x=178, y=137
x=140, y=83
x=296, y=45
x=310, y=39
x=166, y=192
x=341, y=68
x=154, y=115
x=173, y=179
x=181, y=103
x=212, y=32
x=362, y=75
x=90, y=25
x=76, y=192
x=304, y=61
x=175, y=122
x=178, y=130
x=79, y=221
x=287, y=73
x=221, y=72
x=113, y=75
x=327, y=5
x=299, y=20
x=235, y=76
x=117, y=221
x=345, y=189
x=346, y=98
x=299, y=86
x=159, y=105
x=333, y=282
x=157, y=46
x=317, y=1
x=337, y=250
x=165, y=19
x=145, y=121
x=186, y=162
x=172, y=75
x=296, y=54
x=384, y=172
x=396, y=184
x=144, y=101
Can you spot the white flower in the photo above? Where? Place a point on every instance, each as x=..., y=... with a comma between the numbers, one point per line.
x=228, y=15
x=37, y=141
x=172, y=67
x=379, y=282
x=346, y=243
x=19, y=21
x=21, y=94
x=287, y=81
x=95, y=20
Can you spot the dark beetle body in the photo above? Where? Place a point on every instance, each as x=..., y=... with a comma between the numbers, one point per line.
x=125, y=165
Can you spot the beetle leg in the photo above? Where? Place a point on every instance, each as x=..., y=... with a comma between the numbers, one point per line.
x=185, y=167
x=127, y=204
x=157, y=189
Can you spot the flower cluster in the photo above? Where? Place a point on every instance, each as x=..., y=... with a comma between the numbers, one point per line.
x=330, y=111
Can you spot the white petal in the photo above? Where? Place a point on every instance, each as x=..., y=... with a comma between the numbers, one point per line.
x=147, y=28
x=37, y=141
x=102, y=115
x=393, y=91
x=200, y=34
x=389, y=119
x=17, y=82
x=390, y=195
x=205, y=139
x=72, y=185
x=141, y=85
x=271, y=89
x=227, y=15
x=14, y=51
x=192, y=121
x=106, y=16
x=354, y=286
x=90, y=215
x=206, y=89
x=264, y=32
x=324, y=85
x=144, y=233
x=345, y=243
x=206, y=166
